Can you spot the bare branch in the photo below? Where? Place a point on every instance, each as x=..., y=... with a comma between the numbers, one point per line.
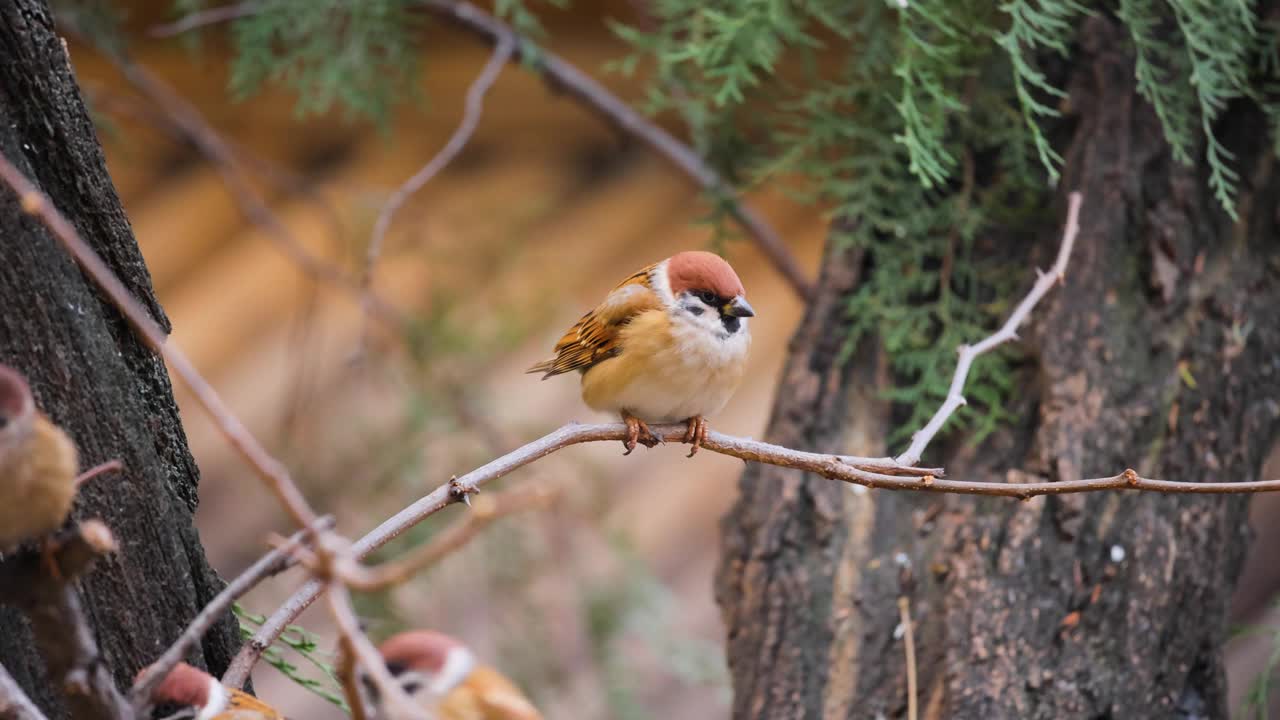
x=567, y=78
x=397, y=702
x=273, y=472
x=14, y=704
x=204, y=18
x=867, y=472
x=274, y=562
x=955, y=394
x=485, y=509
x=461, y=136
x=48, y=598
x=349, y=678
x=242, y=664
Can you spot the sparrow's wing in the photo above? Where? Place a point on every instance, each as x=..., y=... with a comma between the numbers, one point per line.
x=594, y=337
x=243, y=706
x=491, y=696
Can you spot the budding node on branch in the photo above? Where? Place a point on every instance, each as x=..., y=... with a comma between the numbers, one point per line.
x=460, y=492
x=1130, y=477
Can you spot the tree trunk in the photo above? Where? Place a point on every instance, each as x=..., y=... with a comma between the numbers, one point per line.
x=91, y=375
x=1100, y=605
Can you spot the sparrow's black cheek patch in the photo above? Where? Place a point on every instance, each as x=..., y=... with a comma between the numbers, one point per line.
x=694, y=309
x=731, y=323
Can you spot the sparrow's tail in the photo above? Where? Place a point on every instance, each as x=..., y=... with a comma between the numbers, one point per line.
x=545, y=367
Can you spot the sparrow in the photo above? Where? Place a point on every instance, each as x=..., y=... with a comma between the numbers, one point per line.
x=38, y=465
x=668, y=344
x=443, y=676
x=189, y=687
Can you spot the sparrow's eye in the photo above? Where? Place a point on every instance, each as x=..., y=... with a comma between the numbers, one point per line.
x=707, y=297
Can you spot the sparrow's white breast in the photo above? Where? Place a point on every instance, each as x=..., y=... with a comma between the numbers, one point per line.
x=668, y=369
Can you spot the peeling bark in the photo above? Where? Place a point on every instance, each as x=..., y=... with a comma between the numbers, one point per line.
x=1103, y=605
x=91, y=375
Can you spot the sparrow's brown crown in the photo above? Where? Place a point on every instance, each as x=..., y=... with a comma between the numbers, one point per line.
x=698, y=270
x=423, y=650
x=16, y=405
x=184, y=685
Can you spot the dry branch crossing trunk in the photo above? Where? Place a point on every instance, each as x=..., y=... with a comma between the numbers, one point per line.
x=91, y=375
x=1102, y=605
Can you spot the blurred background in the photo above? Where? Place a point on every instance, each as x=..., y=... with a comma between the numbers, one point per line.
x=600, y=606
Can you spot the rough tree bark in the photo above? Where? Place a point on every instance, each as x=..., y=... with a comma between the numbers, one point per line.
x=1107, y=605
x=91, y=375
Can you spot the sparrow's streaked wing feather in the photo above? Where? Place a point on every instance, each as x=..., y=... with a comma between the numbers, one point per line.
x=594, y=337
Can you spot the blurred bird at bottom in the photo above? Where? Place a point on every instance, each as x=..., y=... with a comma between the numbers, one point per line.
x=189, y=687
x=444, y=677
x=38, y=465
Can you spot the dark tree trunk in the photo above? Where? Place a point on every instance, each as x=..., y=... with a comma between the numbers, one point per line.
x=1106, y=605
x=91, y=375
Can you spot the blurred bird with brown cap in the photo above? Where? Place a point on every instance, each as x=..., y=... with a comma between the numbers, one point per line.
x=38, y=466
x=189, y=687
x=443, y=677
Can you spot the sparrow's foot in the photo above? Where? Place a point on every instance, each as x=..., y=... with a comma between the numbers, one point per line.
x=696, y=434
x=637, y=432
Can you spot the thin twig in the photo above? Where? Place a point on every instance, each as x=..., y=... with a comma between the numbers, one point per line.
x=868, y=472
x=99, y=469
x=461, y=136
x=909, y=645
x=349, y=678
x=273, y=472
x=394, y=698
x=203, y=18
x=485, y=509
x=194, y=129
x=567, y=78
x=275, y=561
x=1044, y=282
x=14, y=704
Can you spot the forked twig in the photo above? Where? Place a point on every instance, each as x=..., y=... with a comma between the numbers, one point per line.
x=275, y=561
x=461, y=136
x=1009, y=331
x=485, y=509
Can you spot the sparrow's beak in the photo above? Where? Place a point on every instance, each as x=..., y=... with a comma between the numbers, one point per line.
x=738, y=307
